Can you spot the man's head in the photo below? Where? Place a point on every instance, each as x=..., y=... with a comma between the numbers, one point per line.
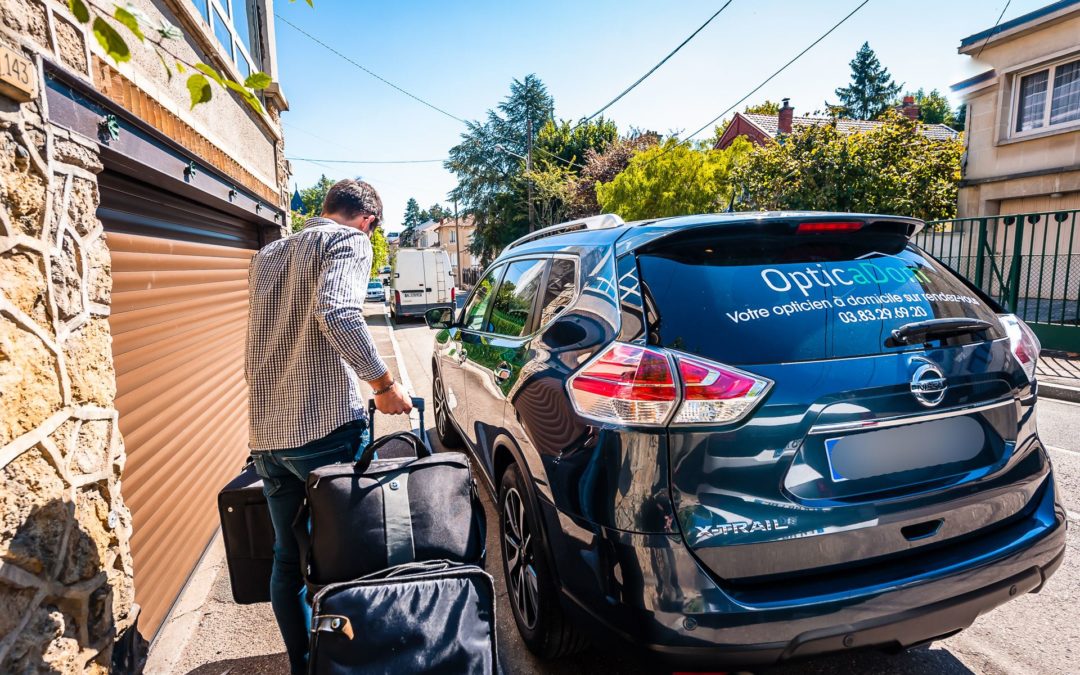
x=353, y=203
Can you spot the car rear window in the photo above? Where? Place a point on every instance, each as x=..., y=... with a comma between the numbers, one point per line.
x=767, y=298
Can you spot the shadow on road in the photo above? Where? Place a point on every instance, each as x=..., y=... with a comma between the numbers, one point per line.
x=268, y=664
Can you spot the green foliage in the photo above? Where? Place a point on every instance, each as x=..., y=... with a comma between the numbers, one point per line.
x=491, y=181
x=934, y=108
x=766, y=107
x=313, y=196
x=199, y=88
x=673, y=179
x=960, y=117
x=134, y=20
x=111, y=41
x=380, y=251
x=436, y=212
x=872, y=89
x=892, y=169
x=570, y=143
x=602, y=167
x=553, y=190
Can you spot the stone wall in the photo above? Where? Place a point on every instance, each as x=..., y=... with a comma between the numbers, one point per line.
x=65, y=566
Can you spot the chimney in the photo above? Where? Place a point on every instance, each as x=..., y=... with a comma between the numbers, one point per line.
x=783, y=122
x=909, y=109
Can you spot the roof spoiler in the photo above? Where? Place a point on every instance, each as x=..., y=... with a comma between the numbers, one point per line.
x=604, y=221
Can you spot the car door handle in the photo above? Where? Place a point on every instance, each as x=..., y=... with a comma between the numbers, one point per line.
x=502, y=372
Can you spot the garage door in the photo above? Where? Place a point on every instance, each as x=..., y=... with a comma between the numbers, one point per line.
x=179, y=314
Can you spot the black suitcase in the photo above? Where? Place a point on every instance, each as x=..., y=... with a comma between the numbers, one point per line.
x=248, y=536
x=248, y=533
x=425, y=617
x=378, y=513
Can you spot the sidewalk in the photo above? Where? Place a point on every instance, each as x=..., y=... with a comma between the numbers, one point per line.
x=207, y=633
x=1059, y=376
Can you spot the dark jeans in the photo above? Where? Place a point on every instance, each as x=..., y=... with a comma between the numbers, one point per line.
x=284, y=473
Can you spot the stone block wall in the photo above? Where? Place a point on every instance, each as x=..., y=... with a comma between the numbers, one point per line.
x=66, y=588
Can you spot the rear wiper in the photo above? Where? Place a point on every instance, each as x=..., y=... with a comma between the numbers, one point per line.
x=919, y=332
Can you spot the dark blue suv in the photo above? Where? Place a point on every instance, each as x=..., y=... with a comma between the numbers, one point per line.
x=748, y=437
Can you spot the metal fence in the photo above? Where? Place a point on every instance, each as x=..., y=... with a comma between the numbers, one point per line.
x=469, y=276
x=1029, y=262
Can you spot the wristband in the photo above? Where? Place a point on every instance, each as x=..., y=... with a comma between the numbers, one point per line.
x=385, y=389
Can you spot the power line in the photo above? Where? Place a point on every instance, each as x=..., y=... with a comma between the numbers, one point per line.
x=994, y=29
x=365, y=161
x=652, y=70
x=369, y=72
x=780, y=70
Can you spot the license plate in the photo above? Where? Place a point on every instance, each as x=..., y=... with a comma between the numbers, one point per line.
x=413, y=294
x=906, y=448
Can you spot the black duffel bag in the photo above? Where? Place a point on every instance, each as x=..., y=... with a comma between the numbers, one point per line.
x=379, y=513
x=423, y=617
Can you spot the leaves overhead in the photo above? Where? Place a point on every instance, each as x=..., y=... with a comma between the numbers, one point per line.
x=199, y=88
x=111, y=41
x=257, y=81
x=78, y=8
x=130, y=22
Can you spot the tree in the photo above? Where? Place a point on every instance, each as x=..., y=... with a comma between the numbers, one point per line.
x=491, y=185
x=934, y=108
x=890, y=169
x=766, y=107
x=872, y=89
x=602, y=167
x=312, y=197
x=673, y=179
x=437, y=213
x=569, y=143
x=380, y=251
x=413, y=218
x=960, y=117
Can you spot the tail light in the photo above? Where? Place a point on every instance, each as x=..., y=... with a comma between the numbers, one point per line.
x=1025, y=345
x=625, y=384
x=634, y=385
x=716, y=394
x=829, y=226
x=397, y=298
x=453, y=294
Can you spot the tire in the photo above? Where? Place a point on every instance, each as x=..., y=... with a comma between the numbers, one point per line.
x=530, y=586
x=444, y=426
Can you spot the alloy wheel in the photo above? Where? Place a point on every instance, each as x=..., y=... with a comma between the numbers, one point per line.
x=440, y=408
x=518, y=552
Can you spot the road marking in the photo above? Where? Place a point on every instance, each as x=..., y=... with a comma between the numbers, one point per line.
x=403, y=371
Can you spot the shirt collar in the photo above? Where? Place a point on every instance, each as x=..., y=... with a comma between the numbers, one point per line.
x=319, y=220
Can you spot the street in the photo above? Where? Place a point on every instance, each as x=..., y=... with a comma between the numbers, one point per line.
x=1032, y=634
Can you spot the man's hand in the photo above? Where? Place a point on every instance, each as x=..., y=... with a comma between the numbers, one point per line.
x=393, y=402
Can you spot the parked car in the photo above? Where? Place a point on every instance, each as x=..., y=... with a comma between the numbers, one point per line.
x=744, y=438
x=422, y=279
x=375, y=291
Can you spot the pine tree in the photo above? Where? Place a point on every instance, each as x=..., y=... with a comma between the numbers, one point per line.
x=409, y=223
x=872, y=89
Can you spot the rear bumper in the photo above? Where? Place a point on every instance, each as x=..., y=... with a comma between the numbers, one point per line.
x=418, y=309
x=654, y=593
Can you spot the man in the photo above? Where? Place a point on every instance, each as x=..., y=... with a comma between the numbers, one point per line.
x=308, y=347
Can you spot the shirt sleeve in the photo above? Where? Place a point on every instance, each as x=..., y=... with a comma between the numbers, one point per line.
x=339, y=310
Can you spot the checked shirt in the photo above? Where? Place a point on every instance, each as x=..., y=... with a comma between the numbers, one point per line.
x=308, y=346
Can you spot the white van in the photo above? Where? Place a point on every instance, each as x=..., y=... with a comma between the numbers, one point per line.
x=422, y=278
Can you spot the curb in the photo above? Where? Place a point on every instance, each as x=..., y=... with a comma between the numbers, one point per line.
x=1059, y=392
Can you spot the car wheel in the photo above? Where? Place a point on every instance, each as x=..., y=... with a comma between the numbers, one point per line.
x=444, y=426
x=533, y=598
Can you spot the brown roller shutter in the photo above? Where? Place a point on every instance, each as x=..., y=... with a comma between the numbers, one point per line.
x=178, y=318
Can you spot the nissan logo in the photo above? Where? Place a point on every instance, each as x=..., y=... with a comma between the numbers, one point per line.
x=928, y=385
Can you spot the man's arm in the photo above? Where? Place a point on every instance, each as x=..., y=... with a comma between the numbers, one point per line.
x=339, y=311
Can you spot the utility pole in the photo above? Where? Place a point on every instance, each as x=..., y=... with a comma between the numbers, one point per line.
x=457, y=238
x=528, y=170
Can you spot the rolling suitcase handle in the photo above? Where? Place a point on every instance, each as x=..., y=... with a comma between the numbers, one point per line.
x=417, y=402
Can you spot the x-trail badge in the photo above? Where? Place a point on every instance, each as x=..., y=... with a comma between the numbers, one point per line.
x=928, y=384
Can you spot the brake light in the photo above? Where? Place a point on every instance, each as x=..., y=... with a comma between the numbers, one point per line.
x=625, y=384
x=713, y=393
x=397, y=298
x=1023, y=342
x=452, y=294
x=829, y=226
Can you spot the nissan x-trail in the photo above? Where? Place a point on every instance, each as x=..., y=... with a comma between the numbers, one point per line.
x=748, y=437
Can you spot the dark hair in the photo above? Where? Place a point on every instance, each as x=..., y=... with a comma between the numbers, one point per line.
x=351, y=198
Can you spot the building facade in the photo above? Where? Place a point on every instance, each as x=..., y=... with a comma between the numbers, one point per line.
x=452, y=236
x=127, y=221
x=1023, y=115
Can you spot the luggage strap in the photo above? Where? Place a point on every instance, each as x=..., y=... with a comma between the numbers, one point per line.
x=332, y=623
x=397, y=518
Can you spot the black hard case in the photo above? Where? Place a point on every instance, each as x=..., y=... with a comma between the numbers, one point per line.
x=248, y=535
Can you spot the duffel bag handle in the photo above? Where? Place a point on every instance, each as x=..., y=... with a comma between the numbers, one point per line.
x=364, y=460
x=417, y=402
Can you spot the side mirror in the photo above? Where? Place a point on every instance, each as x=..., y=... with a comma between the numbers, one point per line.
x=439, y=318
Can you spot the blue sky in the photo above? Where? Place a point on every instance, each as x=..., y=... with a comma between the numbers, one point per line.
x=462, y=56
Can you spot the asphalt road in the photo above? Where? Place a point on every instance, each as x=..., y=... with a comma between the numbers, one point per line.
x=1032, y=634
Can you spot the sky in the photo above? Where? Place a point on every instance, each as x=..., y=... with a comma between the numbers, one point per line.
x=462, y=56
